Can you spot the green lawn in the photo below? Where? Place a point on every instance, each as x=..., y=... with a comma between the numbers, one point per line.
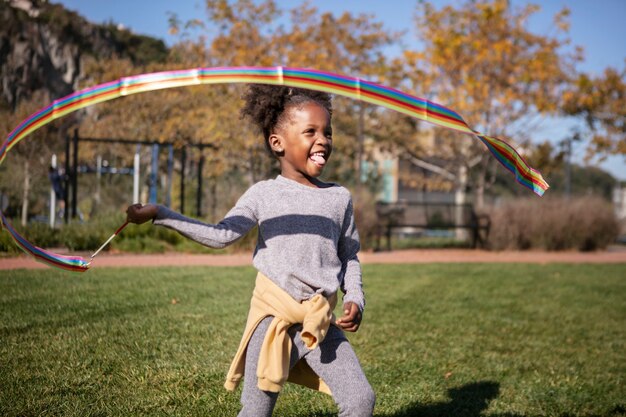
x=437, y=340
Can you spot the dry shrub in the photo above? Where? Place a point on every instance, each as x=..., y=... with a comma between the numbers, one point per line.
x=554, y=223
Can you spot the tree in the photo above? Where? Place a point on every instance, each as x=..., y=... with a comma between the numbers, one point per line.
x=185, y=116
x=481, y=60
x=243, y=32
x=601, y=102
x=547, y=158
x=345, y=44
x=233, y=36
x=29, y=159
x=566, y=177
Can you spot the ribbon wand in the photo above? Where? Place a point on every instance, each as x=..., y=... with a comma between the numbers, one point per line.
x=108, y=240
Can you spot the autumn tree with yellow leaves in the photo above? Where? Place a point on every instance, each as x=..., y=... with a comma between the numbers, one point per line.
x=248, y=33
x=481, y=60
x=24, y=175
x=243, y=33
x=478, y=58
x=601, y=102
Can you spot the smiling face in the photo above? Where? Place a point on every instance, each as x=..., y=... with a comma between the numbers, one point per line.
x=303, y=142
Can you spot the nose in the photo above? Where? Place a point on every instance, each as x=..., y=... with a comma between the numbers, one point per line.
x=323, y=140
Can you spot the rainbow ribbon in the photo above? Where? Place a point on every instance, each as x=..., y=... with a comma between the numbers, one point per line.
x=69, y=263
x=351, y=87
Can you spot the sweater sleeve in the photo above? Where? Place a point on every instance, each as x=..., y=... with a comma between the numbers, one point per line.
x=349, y=246
x=237, y=222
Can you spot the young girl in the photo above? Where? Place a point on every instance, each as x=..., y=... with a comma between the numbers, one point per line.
x=307, y=249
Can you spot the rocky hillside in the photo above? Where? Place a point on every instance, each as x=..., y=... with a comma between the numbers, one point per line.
x=42, y=45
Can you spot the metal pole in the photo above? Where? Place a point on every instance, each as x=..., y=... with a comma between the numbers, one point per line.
x=66, y=196
x=154, y=167
x=136, y=175
x=199, y=190
x=75, y=174
x=568, y=167
x=53, y=196
x=170, y=170
x=360, y=134
x=98, y=180
x=183, y=162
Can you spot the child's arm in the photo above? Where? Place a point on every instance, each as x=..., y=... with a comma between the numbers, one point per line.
x=235, y=225
x=239, y=221
x=354, y=299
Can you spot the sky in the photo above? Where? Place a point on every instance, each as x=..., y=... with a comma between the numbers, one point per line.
x=598, y=26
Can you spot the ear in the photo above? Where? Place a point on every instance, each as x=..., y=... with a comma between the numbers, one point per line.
x=276, y=144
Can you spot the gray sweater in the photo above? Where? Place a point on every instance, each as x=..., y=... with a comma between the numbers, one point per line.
x=307, y=239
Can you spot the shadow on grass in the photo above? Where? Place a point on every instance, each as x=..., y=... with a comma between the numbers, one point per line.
x=469, y=400
x=466, y=401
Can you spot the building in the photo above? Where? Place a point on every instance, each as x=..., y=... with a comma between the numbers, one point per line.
x=619, y=204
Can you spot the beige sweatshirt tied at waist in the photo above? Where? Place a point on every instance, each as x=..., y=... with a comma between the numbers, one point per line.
x=315, y=314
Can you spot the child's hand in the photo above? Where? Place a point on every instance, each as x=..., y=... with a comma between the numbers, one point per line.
x=140, y=214
x=351, y=319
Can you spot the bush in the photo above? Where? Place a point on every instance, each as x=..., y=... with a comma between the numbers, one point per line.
x=75, y=236
x=7, y=245
x=144, y=238
x=84, y=236
x=40, y=234
x=582, y=223
x=142, y=244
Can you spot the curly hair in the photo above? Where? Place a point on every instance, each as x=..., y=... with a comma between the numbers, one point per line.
x=265, y=105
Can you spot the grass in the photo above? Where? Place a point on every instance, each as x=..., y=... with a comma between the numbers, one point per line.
x=437, y=340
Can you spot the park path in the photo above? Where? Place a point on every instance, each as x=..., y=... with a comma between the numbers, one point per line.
x=612, y=255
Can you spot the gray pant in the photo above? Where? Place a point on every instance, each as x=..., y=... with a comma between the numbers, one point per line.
x=333, y=360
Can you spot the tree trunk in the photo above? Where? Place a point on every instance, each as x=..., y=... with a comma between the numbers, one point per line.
x=460, y=198
x=96, y=196
x=251, y=169
x=25, y=192
x=481, y=181
x=360, y=136
x=213, y=189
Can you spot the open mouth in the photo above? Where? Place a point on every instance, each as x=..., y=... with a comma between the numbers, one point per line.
x=319, y=158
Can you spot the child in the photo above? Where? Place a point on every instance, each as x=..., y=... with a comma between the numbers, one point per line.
x=307, y=249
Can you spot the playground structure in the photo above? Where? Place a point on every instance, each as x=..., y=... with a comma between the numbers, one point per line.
x=66, y=186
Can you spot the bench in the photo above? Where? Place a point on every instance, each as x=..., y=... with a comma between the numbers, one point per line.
x=430, y=219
